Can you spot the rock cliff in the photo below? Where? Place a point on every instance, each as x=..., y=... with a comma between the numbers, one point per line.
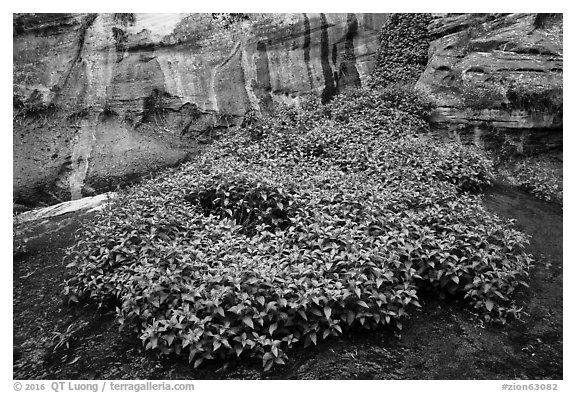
x=104, y=97
x=497, y=79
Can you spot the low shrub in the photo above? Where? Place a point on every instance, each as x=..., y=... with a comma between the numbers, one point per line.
x=541, y=177
x=226, y=20
x=32, y=108
x=248, y=202
x=298, y=228
x=125, y=19
x=396, y=109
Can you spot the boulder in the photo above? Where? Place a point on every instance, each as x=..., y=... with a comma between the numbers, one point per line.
x=497, y=79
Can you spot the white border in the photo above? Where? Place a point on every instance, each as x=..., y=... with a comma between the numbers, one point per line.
x=299, y=6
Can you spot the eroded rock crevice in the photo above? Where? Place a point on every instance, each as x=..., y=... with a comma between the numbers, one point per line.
x=348, y=74
x=327, y=71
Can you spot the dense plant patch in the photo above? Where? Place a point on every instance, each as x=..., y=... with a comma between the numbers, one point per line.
x=540, y=176
x=319, y=220
x=546, y=100
x=403, y=51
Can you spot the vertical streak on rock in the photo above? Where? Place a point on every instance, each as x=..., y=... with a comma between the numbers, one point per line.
x=334, y=55
x=212, y=91
x=329, y=87
x=248, y=81
x=334, y=67
x=230, y=86
x=263, y=77
x=81, y=152
x=86, y=23
x=241, y=74
x=263, y=67
x=213, y=97
x=349, y=75
x=306, y=48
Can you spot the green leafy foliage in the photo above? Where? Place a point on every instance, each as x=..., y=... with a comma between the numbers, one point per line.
x=247, y=200
x=19, y=245
x=541, y=176
x=367, y=113
x=530, y=99
x=322, y=219
x=511, y=96
x=33, y=108
x=125, y=19
x=403, y=51
x=228, y=19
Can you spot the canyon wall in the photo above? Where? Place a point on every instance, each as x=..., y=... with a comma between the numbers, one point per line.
x=100, y=99
x=497, y=79
x=104, y=97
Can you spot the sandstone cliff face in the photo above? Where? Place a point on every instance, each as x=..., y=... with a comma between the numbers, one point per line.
x=103, y=97
x=99, y=97
x=497, y=79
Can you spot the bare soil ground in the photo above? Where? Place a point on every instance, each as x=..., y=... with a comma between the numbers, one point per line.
x=443, y=340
